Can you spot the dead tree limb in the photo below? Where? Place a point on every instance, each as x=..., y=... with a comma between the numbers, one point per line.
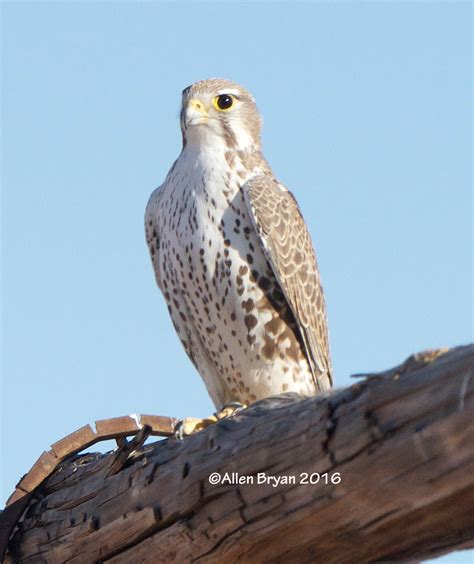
x=392, y=458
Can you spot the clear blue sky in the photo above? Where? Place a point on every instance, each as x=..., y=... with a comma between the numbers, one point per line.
x=367, y=119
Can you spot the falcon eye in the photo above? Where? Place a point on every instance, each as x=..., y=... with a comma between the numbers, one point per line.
x=223, y=102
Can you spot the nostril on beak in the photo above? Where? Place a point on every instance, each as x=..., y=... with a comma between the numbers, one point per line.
x=196, y=105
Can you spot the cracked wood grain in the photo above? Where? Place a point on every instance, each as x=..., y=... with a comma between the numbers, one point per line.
x=401, y=442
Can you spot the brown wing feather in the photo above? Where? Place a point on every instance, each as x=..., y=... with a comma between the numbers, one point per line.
x=287, y=245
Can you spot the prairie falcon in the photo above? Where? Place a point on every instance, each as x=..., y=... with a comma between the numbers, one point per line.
x=233, y=257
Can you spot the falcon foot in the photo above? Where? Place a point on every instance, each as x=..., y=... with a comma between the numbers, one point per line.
x=191, y=425
x=229, y=409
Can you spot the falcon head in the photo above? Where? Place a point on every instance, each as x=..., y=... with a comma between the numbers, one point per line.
x=218, y=112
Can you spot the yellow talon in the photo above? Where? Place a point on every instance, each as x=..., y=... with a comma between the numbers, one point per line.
x=190, y=425
x=230, y=409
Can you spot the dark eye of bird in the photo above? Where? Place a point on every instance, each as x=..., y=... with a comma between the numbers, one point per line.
x=224, y=101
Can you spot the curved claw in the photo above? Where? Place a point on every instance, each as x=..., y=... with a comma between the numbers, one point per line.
x=229, y=409
x=191, y=425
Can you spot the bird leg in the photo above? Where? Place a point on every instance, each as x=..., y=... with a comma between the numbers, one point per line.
x=229, y=409
x=191, y=425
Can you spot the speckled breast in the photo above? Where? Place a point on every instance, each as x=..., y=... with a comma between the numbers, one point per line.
x=215, y=276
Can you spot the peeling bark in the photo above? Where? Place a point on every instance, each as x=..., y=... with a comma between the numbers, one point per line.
x=395, y=459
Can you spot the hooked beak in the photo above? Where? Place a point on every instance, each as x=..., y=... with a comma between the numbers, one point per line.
x=195, y=113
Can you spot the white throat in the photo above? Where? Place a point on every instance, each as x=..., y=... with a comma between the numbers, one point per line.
x=213, y=136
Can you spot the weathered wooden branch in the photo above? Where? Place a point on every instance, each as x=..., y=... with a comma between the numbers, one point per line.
x=393, y=458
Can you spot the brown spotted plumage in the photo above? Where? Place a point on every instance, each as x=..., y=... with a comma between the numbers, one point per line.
x=234, y=259
x=287, y=245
